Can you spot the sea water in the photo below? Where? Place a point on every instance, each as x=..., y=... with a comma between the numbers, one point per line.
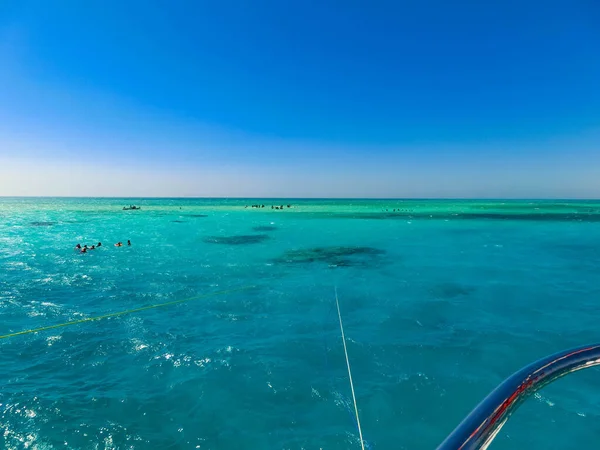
x=441, y=301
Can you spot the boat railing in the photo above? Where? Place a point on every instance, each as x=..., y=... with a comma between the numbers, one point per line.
x=482, y=425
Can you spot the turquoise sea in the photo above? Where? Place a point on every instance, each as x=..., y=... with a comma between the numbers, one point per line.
x=441, y=301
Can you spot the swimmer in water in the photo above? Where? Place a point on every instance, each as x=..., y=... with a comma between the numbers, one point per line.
x=128, y=242
x=99, y=244
x=93, y=247
x=119, y=244
x=78, y=246
x=84, y=250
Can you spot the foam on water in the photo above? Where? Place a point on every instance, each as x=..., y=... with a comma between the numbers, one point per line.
x=441, y=301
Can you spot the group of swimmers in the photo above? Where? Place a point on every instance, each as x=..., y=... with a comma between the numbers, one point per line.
x=272, y=207
x=85, y=248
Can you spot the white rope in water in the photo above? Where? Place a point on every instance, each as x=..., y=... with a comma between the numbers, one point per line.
x=362, y=443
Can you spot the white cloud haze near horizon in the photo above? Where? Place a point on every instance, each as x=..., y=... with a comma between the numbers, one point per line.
x=318, y=176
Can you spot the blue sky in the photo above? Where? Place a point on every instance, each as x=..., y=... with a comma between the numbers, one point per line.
x=300, y=98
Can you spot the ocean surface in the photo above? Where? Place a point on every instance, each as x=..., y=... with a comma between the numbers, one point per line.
x=441, y=301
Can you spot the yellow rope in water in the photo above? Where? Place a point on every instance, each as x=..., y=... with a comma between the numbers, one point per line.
x=121, y=313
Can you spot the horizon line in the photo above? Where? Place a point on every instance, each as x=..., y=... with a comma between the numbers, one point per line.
x=303, y=198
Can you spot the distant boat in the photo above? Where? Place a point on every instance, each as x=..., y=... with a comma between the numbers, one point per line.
x=128, y=208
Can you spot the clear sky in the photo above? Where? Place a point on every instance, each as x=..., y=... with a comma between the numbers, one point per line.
x=305, y=98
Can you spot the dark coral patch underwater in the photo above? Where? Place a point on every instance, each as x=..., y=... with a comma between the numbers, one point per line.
x=591, y=216
x=451, y=290
x=242, y=239
x=264, y=228
x=337, y=256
